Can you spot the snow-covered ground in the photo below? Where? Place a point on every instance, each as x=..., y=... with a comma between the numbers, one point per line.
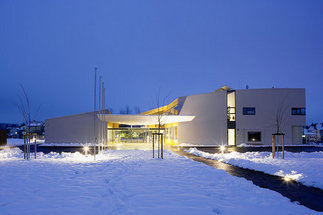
x=303, y=167
x=20, y=142
x=128, y=182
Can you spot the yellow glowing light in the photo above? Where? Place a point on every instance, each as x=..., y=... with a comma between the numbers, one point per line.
x=286, y=178
x=222, y=148
x=86, y=148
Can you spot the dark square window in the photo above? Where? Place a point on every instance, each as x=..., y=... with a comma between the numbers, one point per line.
x=298, y=111
x=254, y=136
x=249, y=111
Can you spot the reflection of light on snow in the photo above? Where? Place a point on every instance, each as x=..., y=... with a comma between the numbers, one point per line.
x=290, y=176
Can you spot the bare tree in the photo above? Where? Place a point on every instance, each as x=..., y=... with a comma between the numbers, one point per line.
x=137, y=110
x=280, y=117
x=161, y=112
x=279, y=123
x=24, y=107
x=111, y=110
x=126, y=110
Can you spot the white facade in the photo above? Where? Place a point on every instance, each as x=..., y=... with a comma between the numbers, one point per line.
x=209, y=127
x=269, y=104
x=77, y=128
x=220, y=119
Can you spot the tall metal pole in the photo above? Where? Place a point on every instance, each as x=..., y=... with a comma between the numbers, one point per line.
x=102, y=111
x=106, y=127
x=99, y=138
x=94, y=129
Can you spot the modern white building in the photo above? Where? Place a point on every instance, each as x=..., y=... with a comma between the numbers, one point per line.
x=222, y=117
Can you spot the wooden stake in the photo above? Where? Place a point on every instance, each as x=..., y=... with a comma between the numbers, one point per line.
x=162, y=147
x=24, y=146
x=283, y=147
x=158, y=139
x=153, y=146
x=273, y=146
x=35, y=151
x=277, y=146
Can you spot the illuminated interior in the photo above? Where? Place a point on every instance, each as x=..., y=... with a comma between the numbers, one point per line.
x=138, y=129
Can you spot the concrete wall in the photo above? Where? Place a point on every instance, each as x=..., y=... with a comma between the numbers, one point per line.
x=267, y=102
x=71, y=129
x=210, y=122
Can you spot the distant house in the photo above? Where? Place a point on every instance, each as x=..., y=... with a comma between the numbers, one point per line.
x=314, y=136
x=222, y=117
x=37, y=127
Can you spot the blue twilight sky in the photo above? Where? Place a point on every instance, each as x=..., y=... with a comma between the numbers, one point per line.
x=181, y=47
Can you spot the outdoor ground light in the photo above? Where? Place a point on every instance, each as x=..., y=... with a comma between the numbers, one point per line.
x=222, y=149
x=86, y=149
x=286, y=178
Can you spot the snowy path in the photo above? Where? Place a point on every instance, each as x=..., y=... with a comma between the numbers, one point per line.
x=303, y=167
x=129, y=182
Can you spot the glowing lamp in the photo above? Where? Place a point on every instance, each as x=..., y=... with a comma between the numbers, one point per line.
x=86, y=148
x=222, y=148
x=286, y=178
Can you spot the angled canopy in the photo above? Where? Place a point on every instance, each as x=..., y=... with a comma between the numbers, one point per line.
x=141, y=119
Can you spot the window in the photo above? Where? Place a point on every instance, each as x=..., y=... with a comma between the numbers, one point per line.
x=254, y=136
x=231, y=113
x=249, y=111
x=298, y=111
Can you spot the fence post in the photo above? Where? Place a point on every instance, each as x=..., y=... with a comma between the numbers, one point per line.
x=273, y=146
x=153, y=146
x=277, y=146
x=158, y=142
x=35, y=150
x=283, y=146
x=162, y=146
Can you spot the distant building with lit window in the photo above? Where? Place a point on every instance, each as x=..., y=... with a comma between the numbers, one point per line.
x=222, y=117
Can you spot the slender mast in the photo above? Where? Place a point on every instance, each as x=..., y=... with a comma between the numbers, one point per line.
x=94, y=129
x=100, y=102
x=102, y=123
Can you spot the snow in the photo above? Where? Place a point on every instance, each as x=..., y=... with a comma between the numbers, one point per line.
x=286, y=145
x=128, y=182
x=67, y=144
x=303, y=167
x=19, y=142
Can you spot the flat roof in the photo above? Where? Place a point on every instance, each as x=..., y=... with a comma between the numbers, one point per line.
x=141, y=119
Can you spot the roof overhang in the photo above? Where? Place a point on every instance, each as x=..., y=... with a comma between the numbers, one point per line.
x=140, y=119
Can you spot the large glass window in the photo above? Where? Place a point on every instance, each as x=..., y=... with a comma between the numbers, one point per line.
x=254, y=136
x=249, y=111
x=298, y=111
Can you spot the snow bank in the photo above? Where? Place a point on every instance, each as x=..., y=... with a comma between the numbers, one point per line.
x=19, y=142
x=67, y=144
x=129, y=182
x=303, y=167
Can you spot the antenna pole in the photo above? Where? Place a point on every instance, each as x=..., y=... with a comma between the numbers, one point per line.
x=94, y=129
x=101, y=122
x=99, y=139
